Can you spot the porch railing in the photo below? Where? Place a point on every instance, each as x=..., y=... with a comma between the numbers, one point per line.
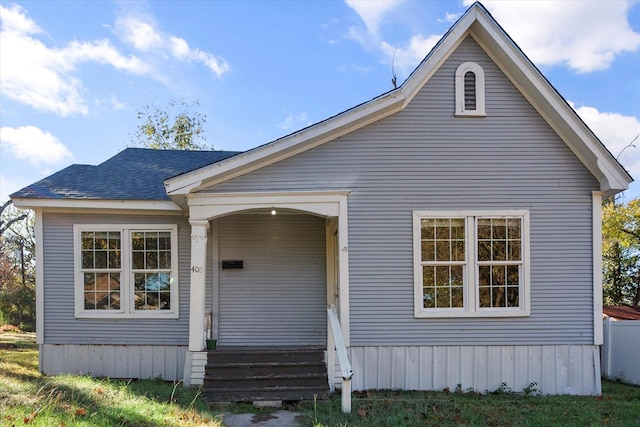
x=343, y=358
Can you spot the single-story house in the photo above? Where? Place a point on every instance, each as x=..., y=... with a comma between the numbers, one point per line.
x=453, y=222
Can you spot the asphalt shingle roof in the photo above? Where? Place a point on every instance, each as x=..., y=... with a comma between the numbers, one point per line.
x=132, y=174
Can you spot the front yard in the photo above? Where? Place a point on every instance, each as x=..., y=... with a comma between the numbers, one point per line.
x=29, y=398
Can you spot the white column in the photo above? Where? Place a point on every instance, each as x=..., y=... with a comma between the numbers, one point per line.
x=199, y=228
x=597, y=267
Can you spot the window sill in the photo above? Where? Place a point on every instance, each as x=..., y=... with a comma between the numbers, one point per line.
x=122, y=315
x=437, y=314
x=473, y=113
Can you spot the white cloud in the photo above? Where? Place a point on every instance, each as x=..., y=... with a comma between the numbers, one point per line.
x=34, y=145
x=616, y=132
x=373, y=13
x=141, y=34
x=42, y=77
x=294, y=122
x=585, y=36
x=116, y=104
x=408, y=58
x=138, y=33
x=450, y=17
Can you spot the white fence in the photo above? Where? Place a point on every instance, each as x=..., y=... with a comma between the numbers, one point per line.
x=621, y=350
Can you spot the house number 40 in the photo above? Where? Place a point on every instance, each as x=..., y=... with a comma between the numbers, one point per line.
x=195, y=269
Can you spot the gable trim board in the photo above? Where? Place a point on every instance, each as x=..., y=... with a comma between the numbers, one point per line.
x=370, y=210
x=476, y=23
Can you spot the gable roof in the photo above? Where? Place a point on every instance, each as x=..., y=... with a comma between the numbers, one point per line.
x=621, y=312
x=476, y=22
x=132, y=174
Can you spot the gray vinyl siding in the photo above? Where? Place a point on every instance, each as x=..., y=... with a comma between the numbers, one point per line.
x=279, y=296
x=423, y=158
x=60, y=324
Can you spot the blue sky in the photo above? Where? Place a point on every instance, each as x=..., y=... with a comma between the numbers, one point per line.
x=74, y=74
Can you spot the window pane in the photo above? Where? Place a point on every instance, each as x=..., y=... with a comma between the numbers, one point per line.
x=428, y=275
x=87, y=240
x=484, y=229
x=428, y=251
x=164, y=260
x=101, y=240
x=484, y=275
x=457, y=275
x=443, y=250
x=101, y=291
x=499, y=251
x=443, y=297
x=442, y=276
x=87, y=259
x=114, y=259
x=152, y=291
x=457, y=297
x=513, y=275
x=499, y=228
x=442, y=228
x=89, y=300
x=114, y=301
x=484, y=250
x=514, y=250
x=457, y=250
x=114, y=240
x=513, y=231
x=497, y=297
x=164, y=302
x=151, y=260
x=429, y=297
x=100, y=250
x=457, y=228
x=427, y=229
x=485, y=296
x=137, y=241
x=164, y=241
x=100, y=259
x=137, y=260
x=513, y=296
x=151, y=240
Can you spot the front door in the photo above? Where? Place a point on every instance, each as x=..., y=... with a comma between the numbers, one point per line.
x=279, y=295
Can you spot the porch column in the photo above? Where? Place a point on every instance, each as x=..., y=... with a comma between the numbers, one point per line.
x=199, y=228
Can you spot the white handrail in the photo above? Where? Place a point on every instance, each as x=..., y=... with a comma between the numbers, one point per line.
x=343, y=358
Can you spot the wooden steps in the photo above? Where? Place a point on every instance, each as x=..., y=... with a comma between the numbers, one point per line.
x=250, y=374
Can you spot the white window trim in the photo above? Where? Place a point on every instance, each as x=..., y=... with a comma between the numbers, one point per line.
x=471, y=304
x=463, y=69
x=127, y=310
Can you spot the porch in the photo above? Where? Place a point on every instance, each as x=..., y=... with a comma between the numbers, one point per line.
x=292, y=254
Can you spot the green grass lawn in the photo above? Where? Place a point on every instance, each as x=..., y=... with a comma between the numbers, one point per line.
x=29, y=398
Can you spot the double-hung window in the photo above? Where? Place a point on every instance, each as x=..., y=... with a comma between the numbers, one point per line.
x=126, y=270
x=471, y=263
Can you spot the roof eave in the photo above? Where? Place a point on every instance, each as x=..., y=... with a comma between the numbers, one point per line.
x=93, y=204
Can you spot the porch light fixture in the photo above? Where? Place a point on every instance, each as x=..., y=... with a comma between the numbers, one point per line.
x=273, y=212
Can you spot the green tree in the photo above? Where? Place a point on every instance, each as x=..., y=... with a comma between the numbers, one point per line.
x=17, y=267
x=621, y=252
x=178, y=127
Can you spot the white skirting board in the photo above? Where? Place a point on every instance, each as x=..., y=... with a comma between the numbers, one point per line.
x=114, y=361
x=555, y=369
